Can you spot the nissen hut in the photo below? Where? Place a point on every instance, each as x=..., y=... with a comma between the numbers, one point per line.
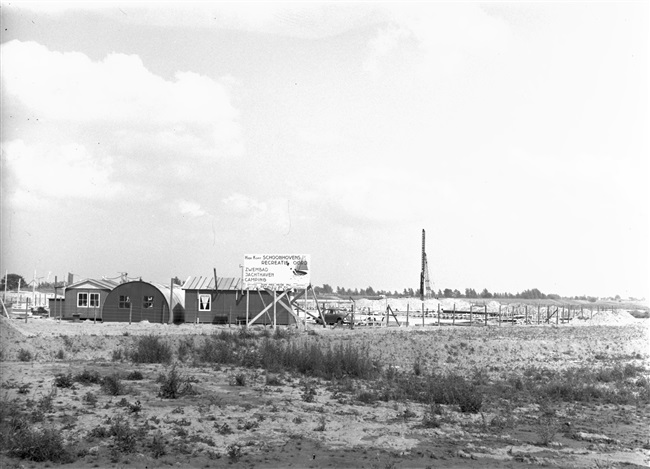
x=227, y=303
x=142, y=301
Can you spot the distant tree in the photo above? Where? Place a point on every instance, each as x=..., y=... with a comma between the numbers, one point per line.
x=327, y=288
x=486, y=294
x=439, y=295
x=533, y=294
x=177, y=281
x=12, y=281
x=470, y=293
x=448, y=293
x=456, y=294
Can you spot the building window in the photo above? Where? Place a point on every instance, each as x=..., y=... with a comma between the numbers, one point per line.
x=147, y=302
x=125, y=302
x=82, y=300
x=94, y=300
x=204, y=302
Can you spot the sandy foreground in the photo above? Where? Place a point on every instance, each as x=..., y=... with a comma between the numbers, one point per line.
x=238, y=417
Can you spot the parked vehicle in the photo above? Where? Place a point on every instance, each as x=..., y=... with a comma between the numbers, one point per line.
x=333, y=316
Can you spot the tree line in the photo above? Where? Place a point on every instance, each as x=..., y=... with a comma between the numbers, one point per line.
x=532, y=294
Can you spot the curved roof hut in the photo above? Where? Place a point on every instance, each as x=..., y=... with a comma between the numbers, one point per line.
x=142, y=301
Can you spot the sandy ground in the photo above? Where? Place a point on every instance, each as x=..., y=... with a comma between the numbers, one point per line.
x=273, y=426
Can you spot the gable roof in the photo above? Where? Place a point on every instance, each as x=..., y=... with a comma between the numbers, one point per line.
x=207, y=283
x=102, y=284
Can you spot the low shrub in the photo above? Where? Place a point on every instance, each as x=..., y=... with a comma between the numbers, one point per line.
x=112, y=385
x=125, y=437
x=431, y=417
x=223, y=429
x=174, y=385
x=234, y=452
x=90, y=399
x=63, y=380
x=239, y=379
x=158, y=446
x=151, y=349
x=367, y=397
x=273, y=380
x=25, y=355
x=546, y=429
x=87, y=377
x=185, y=348
x=321, y=425
x=117, y=355
x=134, y=376
x=40, y=445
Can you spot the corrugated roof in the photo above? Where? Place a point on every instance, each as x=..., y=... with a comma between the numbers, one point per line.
x=207, y=283
x=177, y=298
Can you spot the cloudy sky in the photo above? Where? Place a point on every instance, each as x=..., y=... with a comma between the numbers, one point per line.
x=168, y=139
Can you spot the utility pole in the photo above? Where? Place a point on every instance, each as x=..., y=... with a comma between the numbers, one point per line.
x=425, y=283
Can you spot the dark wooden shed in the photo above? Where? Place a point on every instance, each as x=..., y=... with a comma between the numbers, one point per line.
x=142, y=301
x=84, y=298
x=226, y=304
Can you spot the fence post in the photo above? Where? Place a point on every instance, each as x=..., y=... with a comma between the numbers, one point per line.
x=130, y=312
x=499, y=314
x=438, y=314
x=471, y=307
x=453, y=316
x=407, y=314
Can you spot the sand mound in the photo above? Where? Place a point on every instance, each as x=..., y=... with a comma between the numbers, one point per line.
x=608, y=318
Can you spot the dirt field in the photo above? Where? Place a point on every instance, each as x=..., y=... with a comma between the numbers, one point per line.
x=564, y=396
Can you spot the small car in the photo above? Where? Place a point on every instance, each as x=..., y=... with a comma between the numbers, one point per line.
x=333, y=317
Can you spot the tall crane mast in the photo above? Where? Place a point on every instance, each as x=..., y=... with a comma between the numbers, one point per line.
x=425, y=283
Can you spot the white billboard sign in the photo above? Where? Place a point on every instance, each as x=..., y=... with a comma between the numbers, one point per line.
x=277, y=271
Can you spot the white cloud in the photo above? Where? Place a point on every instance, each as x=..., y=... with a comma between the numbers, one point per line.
x=101, y=115
x=272, y=214
x=69, y=89
x=56, y=172
x=190, y=208
x=447, y=37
